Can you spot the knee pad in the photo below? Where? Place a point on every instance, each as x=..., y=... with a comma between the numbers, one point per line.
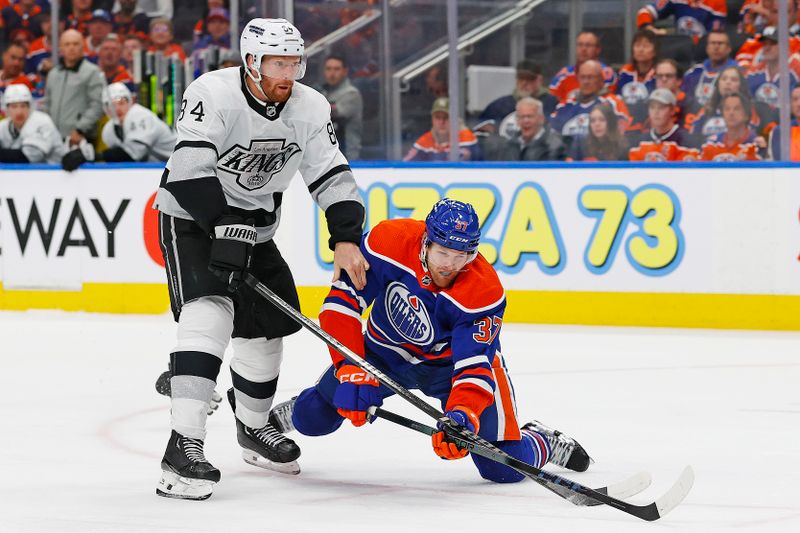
x=500, y=473
x=205, y=325
x=313, y=415
x=258, y=359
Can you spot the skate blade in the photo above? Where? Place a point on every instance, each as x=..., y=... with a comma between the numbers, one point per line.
x=292, y=467
x=171, y=485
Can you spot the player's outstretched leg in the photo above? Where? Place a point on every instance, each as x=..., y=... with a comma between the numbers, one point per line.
x=564, y=451
x=266, y=447
x=185, y=472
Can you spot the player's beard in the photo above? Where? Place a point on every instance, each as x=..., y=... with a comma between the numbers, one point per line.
x=277, y=91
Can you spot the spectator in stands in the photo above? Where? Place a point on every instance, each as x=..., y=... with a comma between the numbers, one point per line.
x=73, y=91
x=218, y=26
x=775, y=134
x=22, y=15
x=200, y=29
x=710, y=121
x=40, y=50
x=501, y=111
x=208, y=49
x=99, y=27
x=698, y=83
x=740, y=141
x=571, y=119
x=346, y=106
x=749, y=53
x=534, y=139
x=27, y=135
x=131, y=44
x=669, y=75
x=110, y=62
x=133, y=133
x=665, y=140
x=80, y=16
x=637, y=79
x=604, y=140
x=694, y=18
x=434, y=145
x=763, y=78
x=161, y=39
x=587, y=48
x=127, y=21
x=13, y=67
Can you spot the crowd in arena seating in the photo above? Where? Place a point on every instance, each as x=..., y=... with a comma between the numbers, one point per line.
x=723, y=108
x=658, y=107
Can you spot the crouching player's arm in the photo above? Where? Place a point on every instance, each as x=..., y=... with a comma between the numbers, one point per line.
x=474, y=346
x=341, y=317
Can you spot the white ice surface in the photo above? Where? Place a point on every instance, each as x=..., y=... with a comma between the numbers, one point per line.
x=83, y=431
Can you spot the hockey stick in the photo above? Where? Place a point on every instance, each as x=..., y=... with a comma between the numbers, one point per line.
x=623, y=489
x=571, y=491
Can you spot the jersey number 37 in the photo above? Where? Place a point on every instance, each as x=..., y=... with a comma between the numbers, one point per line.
x=488, y=328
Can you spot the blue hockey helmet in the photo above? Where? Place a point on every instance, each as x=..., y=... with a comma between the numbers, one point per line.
x=454, y=225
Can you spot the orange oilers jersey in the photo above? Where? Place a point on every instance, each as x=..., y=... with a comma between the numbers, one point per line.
x=413, y=322
x=564, y=84
x=722, y=148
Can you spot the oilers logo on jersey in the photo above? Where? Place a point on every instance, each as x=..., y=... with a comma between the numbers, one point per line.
x=407, y=315
x=634, y=92
x=256, y=164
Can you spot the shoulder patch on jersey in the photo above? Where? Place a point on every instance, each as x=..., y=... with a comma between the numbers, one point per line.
x=398, y=242
x=309, y=105
x=478, y=289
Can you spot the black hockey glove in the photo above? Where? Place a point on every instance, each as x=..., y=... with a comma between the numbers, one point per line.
x=232, y=249
x=72, y=160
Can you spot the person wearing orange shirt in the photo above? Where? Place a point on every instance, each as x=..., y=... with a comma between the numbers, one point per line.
x=666, y=140
x=13, y=67
x=161, y=38
x=564, y=84
x=739, y=142
x=434, y=145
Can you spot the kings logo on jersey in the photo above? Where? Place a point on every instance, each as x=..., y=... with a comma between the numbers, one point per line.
x=256, y=164
x=408, y=315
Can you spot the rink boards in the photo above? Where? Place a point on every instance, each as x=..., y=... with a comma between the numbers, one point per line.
x=701, y=245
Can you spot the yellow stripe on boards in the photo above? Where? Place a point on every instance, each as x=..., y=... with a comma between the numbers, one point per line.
x=127, y=298
x=681, y=310
x=722, y=311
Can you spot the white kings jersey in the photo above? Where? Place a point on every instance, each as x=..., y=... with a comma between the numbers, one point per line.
x=38, y=138
x=142, y=135
x=228, y=138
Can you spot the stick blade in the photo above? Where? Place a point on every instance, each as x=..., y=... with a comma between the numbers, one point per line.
x=677, y=493
x=628, y=487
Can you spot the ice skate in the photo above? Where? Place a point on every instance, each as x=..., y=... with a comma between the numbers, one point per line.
x=266, y=447
x=164, y=388
x=565, y=451
x=280, y=417
x=185, y=472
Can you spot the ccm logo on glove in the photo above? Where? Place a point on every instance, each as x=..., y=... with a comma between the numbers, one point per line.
x=359, y=378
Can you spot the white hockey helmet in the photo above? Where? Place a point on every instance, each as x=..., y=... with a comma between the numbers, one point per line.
x=273, y=37
x=115, y=91
x=17, y=93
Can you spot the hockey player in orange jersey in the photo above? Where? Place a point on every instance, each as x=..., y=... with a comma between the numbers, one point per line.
x=437, y=311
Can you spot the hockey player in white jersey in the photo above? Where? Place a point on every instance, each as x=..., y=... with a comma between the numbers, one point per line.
x=242, y=135
x=134, y=133
x=27, y=135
